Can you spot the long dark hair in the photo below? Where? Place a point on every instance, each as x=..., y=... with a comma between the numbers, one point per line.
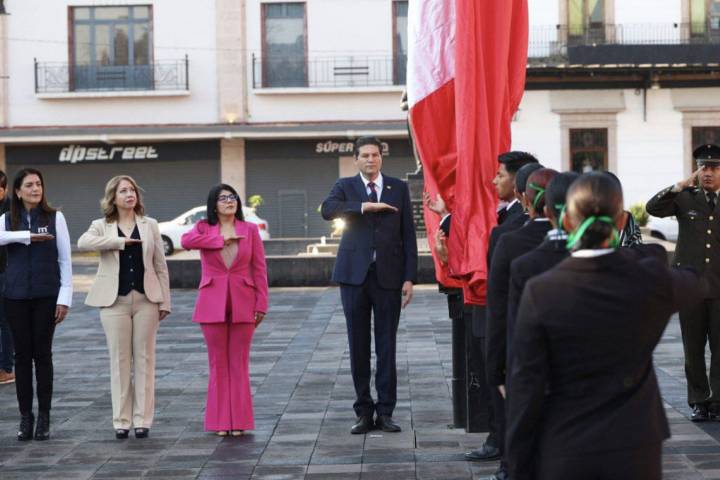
x=16, y=205
x=594, y=194
x=212, y=216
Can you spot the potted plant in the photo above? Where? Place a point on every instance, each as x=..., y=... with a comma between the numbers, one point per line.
x=641, y=217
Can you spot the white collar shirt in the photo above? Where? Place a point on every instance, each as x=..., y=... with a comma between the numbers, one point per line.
x=378, y=185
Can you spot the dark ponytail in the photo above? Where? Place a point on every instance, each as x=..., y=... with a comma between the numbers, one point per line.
x=594, y=202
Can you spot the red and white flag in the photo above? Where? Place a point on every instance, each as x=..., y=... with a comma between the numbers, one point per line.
x=466, y=77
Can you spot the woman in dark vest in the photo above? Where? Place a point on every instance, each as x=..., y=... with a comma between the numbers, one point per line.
x=38, y=293
x=583, y=398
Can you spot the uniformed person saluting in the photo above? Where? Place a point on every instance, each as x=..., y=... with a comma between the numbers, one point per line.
x=695, y=204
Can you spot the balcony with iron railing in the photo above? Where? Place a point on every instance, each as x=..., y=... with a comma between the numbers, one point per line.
x=329, y=72
x=61, y=78
x=624, y=44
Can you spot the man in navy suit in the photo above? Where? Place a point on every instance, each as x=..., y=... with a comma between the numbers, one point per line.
x=376, y=267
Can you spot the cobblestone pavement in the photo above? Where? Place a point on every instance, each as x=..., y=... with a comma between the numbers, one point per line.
x=303, y=395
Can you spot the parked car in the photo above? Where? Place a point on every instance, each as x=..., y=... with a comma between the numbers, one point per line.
x=172, y=230
x=664, y=228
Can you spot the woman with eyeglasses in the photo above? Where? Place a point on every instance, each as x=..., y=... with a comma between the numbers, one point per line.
x=232, y=302
x=38, y=293
x=132, y=290
x=583, y=396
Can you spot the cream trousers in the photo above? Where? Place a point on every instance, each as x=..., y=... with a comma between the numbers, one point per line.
x=130, y=326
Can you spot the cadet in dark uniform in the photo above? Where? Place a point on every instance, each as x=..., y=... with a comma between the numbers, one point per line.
x=510, y=246
x=513, y=171
x=583, y=398
x=698, y=245
x=549, y=253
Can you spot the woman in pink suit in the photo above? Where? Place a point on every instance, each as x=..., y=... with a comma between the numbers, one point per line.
x=232, y=301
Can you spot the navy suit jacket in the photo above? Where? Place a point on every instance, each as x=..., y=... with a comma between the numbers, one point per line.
x=390, y=234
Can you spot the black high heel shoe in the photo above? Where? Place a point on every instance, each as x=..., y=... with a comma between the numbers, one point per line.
x=142, y=432
x=25, y=432
x=42, y=427
x=121, y=433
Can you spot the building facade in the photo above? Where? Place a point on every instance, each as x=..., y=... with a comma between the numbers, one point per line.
x=631, y=87
x=268, y=96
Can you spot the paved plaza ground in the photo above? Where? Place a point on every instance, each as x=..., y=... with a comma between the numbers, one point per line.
x=303, y=395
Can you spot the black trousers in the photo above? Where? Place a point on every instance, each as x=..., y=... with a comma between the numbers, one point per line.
x=700, y=326
x=358, y=304
x=642, y=463
x=32, y=323
x=478, y=321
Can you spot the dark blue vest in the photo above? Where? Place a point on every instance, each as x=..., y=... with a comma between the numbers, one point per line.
x=32, y=270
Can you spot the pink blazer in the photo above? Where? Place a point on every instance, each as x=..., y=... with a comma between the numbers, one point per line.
x=244, y=283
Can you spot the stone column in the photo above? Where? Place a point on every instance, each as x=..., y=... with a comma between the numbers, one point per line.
x=231, y=61
x=232, y=165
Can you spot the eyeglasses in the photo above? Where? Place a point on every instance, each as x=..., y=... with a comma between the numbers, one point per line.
x=228, y=198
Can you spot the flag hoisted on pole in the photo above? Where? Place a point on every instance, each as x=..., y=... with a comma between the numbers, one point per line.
x=466, y=77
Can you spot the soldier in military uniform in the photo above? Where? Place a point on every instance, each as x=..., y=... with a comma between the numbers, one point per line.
x=694, y=202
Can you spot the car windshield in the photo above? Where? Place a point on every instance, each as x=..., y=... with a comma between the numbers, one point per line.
x=196, y=217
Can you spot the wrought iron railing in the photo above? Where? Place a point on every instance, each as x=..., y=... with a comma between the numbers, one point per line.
x=329, y=71
x=547, y=42
x=59, y=77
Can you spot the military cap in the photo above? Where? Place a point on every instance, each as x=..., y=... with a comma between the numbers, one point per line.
x=522, y=175
x=707, y=154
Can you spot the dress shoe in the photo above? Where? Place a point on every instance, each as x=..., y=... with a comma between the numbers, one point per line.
x=486, y=453
x=714, y=412
x=237, y=433
x=501, y=474
x=699, y=413
x=364, y=425
x=121, y=433
x=142, y=432
x=6, y=377
x=25, y=432
x=386, y=424
x=42, y=427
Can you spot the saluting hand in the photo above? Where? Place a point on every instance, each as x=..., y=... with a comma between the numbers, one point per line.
x=40, y=237
x=688, y=182
x=163, y=314
x=232, y=237
x=60, y=313
x=377, y=207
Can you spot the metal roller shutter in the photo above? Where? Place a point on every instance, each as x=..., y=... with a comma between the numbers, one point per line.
x=282, y=182
x=170, y=187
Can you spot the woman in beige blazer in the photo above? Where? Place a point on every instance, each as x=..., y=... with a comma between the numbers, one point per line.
x=132, y=289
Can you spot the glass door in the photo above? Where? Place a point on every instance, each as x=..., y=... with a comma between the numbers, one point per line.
x=112, y=48
x=586, y=22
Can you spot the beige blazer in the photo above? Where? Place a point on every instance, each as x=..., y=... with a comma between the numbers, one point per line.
x=103, y=237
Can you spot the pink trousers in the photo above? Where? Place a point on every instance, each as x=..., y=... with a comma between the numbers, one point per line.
x=229, y=400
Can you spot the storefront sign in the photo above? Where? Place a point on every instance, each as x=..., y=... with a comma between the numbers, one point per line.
x=95, y=153
x=79, y=153
x=330, y=146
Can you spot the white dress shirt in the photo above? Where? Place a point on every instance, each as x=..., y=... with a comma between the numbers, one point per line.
x=378, y=185
x=590, y=253
x=62, y=239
